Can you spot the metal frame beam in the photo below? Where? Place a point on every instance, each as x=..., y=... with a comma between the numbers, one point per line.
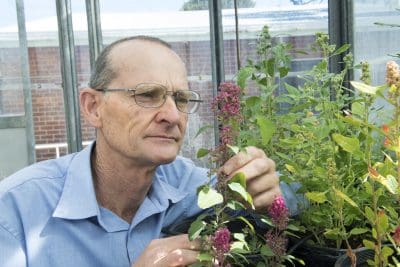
x=26, y=85
x=69, y=76
x=217, y=52
x=94, y=30
x=341, y=31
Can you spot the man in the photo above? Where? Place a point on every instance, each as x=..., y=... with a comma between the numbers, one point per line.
x=107, y=205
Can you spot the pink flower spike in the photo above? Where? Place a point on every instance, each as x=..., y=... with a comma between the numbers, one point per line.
x=221, y=243
x=279, y=213
x=221, y=240
x=396, y=235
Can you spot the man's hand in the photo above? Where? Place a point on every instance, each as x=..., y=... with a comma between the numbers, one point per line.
x=262, y=181
x=170, y=251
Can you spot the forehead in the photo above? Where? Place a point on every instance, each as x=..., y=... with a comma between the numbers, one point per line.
x=139, y=61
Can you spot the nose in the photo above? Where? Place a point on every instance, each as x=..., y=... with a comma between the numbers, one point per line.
x=169, y=111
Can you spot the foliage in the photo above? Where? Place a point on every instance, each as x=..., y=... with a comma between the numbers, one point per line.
x=230, y=236
x=225, y=4
x=330, y=140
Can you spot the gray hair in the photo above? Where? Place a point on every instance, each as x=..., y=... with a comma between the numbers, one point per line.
x=103, y=72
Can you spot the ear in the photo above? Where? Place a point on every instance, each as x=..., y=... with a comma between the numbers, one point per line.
x=90, y=102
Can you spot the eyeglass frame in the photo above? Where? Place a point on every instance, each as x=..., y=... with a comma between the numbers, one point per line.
x=167, y=92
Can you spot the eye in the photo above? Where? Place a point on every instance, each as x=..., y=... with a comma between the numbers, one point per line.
x=149, y=92
x=183, y=96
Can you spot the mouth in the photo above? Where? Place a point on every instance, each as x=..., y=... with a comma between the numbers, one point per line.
x=164, y=137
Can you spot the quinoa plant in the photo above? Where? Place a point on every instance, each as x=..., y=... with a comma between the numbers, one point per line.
x=229, y=236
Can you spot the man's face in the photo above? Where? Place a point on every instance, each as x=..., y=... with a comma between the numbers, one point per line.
x=144, y=136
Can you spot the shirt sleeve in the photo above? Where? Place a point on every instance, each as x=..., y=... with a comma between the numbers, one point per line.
x=11, y=251
x=295, y=202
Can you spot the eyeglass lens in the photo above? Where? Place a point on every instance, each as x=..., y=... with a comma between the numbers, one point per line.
x=154, y=95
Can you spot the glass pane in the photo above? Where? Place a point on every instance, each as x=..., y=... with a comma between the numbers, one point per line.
x=294, y=22
x=187, y=32
x=377, y=35
x=11, y=90
x=45, y=75
x=13, y=141
x=376, y=43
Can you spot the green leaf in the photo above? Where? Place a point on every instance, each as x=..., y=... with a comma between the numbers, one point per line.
x=235, y=205
x=204, y=256
x=271, y=67
x=332, y=233
x=247, y=222
x=240, y=178
x=387, y=251
x=389, y=182
x=383, y=222
x=239, y=236
x=341, y=49
x=195, y=229
x=252, y=101
x=238, y=188
x=267, y=221
x=370, y=215
x=208, y=197
x=345, y=197
x=369, y=244
x=364, y=88
x=240, y=247
x=292, y=90
x=267, y=129
x=319, y=197
x=353, y=121
x=203, y=129
x=242, y=75
x=290, y=168
x=234, y=149
x=202, y=152
x=322, y=66
x=266, y=251
x=348, y=144
x=293, y=228
x=358, y=231
x=358, y=109
x=283, y=71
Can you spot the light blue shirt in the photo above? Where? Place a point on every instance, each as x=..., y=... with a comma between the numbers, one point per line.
x=49, y=215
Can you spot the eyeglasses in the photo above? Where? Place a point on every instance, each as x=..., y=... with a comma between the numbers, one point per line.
x=153, y=95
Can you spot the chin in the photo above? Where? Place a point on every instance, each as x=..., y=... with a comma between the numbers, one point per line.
x=165, y=157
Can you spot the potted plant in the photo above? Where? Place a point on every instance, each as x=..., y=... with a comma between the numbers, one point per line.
x=232, y=234
x=334, y=143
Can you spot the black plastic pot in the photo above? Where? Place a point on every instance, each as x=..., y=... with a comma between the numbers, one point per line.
x=362, y=256
x=316, y=256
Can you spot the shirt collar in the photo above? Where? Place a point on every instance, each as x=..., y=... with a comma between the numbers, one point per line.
x=78, y=199
x=159, y=198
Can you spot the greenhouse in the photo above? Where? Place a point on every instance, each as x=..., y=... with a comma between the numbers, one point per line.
x=199, y=133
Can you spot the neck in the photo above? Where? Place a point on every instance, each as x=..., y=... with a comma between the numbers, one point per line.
x=120, y=186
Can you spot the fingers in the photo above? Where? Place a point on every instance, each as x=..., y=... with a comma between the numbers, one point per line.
x=170, y=251
x=182, y=242
x=259, y=170
x=178, y=257
x=262, y=182
x=263, y=200
x=240, y=160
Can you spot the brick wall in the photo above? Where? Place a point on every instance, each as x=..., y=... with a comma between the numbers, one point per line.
x=47, y=94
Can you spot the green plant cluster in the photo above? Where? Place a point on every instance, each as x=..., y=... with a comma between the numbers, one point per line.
x=330, y=140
